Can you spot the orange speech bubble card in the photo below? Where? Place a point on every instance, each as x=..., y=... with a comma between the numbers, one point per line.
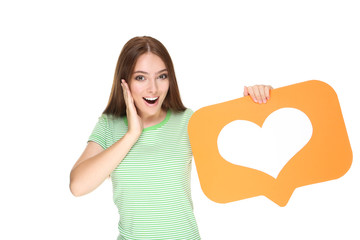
x=326, y=156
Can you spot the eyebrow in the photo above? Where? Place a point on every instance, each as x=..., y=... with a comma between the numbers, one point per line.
x=143, y=72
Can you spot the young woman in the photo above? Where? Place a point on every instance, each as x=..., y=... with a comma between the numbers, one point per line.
x=141, y=141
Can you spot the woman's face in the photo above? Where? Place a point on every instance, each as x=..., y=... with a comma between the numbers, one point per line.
x=149, y=85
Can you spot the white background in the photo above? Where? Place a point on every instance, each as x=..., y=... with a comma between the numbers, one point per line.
x=57, y=60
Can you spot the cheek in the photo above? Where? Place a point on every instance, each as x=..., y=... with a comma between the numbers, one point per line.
x=166, y=87
x=135, y=91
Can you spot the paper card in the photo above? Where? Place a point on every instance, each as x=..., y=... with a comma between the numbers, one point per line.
x=324, y=152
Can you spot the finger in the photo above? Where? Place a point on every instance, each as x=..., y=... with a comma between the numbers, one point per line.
x=124, y=90
x=246, y=92
x=123, y=87
x=129, y=101
x=267, y=92
x=252, y=94
x=257, y=94
x=262, y=93
x=127, y=90
x=124, y=84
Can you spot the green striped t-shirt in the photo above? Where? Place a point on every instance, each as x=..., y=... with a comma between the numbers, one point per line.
x=151, y=185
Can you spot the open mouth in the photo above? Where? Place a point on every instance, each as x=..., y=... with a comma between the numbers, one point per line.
x=151, y=100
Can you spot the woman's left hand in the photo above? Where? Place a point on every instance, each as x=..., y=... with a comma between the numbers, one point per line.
x=258, y=93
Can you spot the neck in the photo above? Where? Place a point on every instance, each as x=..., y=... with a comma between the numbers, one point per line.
x=151, y=120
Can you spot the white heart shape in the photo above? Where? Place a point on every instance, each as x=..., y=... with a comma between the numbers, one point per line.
x=269, y=148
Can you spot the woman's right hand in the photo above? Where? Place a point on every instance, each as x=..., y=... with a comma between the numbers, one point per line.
x=96, y=164
x=135, y=125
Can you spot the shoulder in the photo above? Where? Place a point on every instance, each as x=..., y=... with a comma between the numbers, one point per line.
x=186, y=113
x=182, y=116
x=108, y=118
x=189, y=112
x=107, y=122
x=103, y=121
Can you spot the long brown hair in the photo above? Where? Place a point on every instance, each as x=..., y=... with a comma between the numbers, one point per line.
x=125, y=67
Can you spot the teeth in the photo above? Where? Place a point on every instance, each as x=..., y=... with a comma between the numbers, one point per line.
x=151, y=99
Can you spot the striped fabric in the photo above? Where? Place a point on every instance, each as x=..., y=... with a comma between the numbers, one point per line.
x=151, y=186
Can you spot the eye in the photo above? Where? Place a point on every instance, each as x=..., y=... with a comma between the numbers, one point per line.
x=163, y=76
x=140, y=78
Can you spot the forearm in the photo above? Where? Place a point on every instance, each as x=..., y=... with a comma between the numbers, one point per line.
x=89, y=174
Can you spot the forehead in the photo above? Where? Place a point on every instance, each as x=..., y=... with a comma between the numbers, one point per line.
x=149, y=62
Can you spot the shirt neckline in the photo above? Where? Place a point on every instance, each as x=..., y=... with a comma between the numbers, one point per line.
x=156, y=126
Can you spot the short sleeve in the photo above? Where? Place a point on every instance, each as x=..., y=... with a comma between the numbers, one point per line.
x=100, y=132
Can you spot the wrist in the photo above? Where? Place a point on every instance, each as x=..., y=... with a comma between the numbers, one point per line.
x=134, y=136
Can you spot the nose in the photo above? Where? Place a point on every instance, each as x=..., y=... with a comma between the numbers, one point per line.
x=152, y=86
